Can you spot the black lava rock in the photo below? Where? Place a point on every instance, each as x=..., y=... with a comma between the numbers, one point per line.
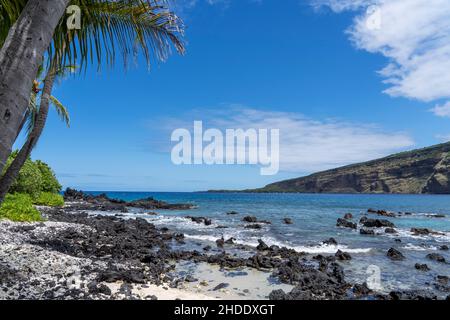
x=421, y=267
x=395, y=255
x=346, y=224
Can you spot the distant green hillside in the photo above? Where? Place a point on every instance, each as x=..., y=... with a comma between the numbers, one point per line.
x=415, y=172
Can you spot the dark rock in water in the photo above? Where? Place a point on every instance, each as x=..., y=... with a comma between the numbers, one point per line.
x=221, y=286
x=253, y=219
x=250, y=219
x=230, y=241
x=366, y=232
x=232, y=213
x=150, y=203
x=178, y=237
x=220, y=242
x=420, y=231
x=394, y=254
x=398, y=240
x=200, y=220
x=207, y=248
x=376, y=223
x=253, y=226
x=442, y=279
x=346, y=224
x=262, y=246
x=436, y=257
x=361, y=289
x=390, y=230
x=288, y=221
x=151, y=213
x=348, y=216
x=421, y=267
x=330, y=241
x=190, y=278
x=436, y=215
x=343, y=256
x=382, y=213
x=444, y=247
x=424, y=232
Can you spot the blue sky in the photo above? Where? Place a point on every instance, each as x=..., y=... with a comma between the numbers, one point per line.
x=251, y=63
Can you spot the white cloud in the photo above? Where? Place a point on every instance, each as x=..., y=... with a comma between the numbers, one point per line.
x=442, y=110
x=414, y=35
x=443, y=137
x=306, y=145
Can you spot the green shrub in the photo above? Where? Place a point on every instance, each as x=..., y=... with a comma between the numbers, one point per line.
x=49, y=199
x=33, y=178
x=19, y=207
x=49, y=181
x=29, y=179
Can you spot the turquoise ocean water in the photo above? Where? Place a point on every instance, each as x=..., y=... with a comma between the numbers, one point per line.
x=314, y=217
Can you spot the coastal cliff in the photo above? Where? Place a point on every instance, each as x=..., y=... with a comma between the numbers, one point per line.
x=421, y=171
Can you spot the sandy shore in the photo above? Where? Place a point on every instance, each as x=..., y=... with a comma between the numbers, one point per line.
x=28, y=270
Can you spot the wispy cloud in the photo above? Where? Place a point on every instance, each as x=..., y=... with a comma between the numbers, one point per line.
x=442, y=110
x=443, y=137
x=306, y=145
x=415, y=37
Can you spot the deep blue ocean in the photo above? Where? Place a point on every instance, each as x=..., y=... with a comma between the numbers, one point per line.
x=314, y=217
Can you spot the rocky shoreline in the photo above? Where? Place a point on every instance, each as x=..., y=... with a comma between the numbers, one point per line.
x=74, y=255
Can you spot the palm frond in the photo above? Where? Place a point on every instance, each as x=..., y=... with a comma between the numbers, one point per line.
x=9, y=13
x=61, y=110
x=109, y=28
x=123, y=27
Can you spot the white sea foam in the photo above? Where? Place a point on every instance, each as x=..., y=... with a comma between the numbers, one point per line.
x=253, y=242
x=403, y=233
x=410, y=246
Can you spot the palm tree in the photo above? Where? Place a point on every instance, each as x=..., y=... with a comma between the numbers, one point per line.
x=108, y=25
x=129, y=25
x=33, y=108
x=20, y=57
x=36, y=122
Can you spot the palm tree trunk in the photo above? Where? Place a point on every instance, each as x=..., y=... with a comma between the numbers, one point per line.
x=13, y=170
x=22, y=124
x=20, y=57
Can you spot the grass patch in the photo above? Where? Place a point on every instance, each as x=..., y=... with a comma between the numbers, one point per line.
x=49, y=199
x=19, y=207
